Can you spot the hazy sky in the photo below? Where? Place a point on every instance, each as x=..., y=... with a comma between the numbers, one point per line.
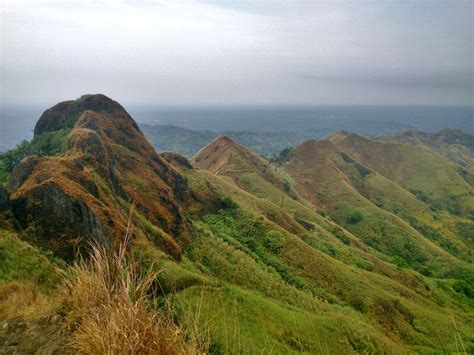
x=230, y=52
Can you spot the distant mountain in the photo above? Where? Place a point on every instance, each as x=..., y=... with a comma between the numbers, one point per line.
x=454, y=144
x=170, y=138
x=364, y=120
x=266, y=143
x=188, y=142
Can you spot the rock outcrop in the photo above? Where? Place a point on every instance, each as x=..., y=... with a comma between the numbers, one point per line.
x=176, y=159
x=89, y=192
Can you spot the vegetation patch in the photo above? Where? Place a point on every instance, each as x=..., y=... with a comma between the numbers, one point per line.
x=24, y=263
x=255, y=237
x=46, y=144
x=355, y=217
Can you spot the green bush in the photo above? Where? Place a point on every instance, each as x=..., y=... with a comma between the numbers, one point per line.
x=463, y=287
x=226, y=204
x=47, y=144
x=322, y=213
x=355, y=217
x=12, y=158
x=282, y=157
x=274, y=241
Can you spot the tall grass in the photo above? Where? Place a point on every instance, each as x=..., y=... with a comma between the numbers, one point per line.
x=109, y=296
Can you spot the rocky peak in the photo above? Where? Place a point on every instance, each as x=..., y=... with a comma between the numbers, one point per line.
x=86, y=193
x=65, y=114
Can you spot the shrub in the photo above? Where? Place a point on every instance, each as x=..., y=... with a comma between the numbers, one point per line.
x=227, y=204
x=461, y=286
x=274, y=241
x=47, y=144
x=466, y=231
x=12, y=158
x=354, y=217
x=282, y=157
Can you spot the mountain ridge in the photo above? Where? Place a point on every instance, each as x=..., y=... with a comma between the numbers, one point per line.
x=317, y=236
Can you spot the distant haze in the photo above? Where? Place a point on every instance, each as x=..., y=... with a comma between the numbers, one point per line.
x=17, y=122
x=238, y=52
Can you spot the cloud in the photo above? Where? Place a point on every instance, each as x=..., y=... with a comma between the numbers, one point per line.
x=185, y=52
x=436, y=80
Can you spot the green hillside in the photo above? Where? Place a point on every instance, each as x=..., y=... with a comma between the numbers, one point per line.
x=433, y=179
x=454, y=144
x=329, y=248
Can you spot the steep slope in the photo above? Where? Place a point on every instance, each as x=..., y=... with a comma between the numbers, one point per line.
x=348, y=191
x=454, y=144
x=225, y=157
x=240, y=237
x=433, y=179
x=272, y=185
x=86, y=193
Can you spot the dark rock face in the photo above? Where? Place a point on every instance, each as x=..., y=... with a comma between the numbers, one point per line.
x=21, y=173
x=58, y=221
x=4, y=199
x=176, y=159
x=65, y=114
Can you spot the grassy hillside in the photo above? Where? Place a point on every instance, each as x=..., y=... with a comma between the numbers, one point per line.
x=454, y=144
x=338, y=179
x=324, y=249
x=332, y=181
x=315, y=282
x=433, y=179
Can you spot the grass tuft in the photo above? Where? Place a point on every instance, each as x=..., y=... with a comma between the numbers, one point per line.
x=110, y=298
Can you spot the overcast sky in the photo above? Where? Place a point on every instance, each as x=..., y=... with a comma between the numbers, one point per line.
x=238, y=52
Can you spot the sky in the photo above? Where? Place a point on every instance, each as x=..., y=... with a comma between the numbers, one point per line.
x=238, y=52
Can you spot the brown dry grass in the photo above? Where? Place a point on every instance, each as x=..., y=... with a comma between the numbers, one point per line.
x=25, y=300
x=110, y=300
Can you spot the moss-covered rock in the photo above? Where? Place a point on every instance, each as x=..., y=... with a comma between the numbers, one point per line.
x=87, y=192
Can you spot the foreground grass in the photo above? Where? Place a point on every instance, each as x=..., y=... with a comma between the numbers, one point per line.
x=27, y=277
x=107, y=302
x=110, y=298
x=225, y=296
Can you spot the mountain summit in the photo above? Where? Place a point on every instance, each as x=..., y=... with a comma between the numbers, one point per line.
x=107, y=169
x=338, y=136
x=64, y=115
